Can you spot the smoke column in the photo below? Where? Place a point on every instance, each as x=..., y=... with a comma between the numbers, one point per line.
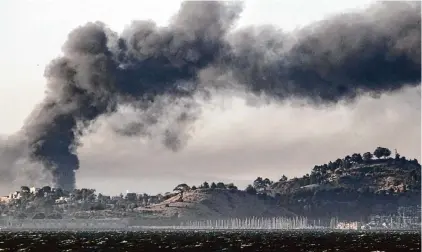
x=151, y=67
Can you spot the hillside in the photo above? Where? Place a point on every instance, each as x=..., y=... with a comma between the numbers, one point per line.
x=352, y=189
x=215, y=204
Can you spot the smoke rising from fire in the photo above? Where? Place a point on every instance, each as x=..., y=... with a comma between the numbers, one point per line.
x=151, y=68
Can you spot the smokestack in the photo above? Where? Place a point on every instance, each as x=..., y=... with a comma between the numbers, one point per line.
x=374, y=51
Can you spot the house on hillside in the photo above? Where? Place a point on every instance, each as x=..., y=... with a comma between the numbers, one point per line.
x=15, y=195
x=34, y=190
x=62, y=200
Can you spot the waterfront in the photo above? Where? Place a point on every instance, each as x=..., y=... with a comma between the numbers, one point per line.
x=252, y=223
x=211, y=241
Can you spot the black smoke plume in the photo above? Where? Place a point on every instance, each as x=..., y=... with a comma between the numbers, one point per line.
x=150, y=67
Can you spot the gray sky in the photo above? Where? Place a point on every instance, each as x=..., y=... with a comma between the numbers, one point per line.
x=232, y=141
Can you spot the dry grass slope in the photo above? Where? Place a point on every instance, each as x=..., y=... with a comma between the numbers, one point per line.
x=216, y=203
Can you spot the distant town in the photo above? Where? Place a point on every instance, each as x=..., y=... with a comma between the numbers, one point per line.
x=51, y=203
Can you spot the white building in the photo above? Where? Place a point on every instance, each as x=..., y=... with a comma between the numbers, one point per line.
x=15, y=195
x=62, y=200
x=34, y=190
x=348, y=225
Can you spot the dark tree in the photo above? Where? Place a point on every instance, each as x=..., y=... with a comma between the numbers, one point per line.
x=414, y=176
x=284, y=178
x=250, y=189
x=305, y=180
x=205, y=185
x=315, y=178
x=331, y=166
x=386, y=153
x=347, y=158
x=213, y=185
x=367, y=156
x=403, y=159
x=267, y=182
x=221, y=185
x=77, y=194
x=260, y=184
x=88, y=192
x=339, y=163
x=93, y=196
x=181, y=188
x=382, y=152
x=25, y=189
x=231, y=186
x=347, y=164
x=357, y=158
x=415, y=161
x=58, y=193
x=46, y=189
x=193, y=187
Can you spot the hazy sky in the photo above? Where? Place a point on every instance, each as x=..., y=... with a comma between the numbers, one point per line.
x=225, y=147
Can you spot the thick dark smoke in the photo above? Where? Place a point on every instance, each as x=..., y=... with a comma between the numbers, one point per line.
x=150, y=68
x=374, y=51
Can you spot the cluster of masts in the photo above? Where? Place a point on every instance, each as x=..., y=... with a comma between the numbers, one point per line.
x=248, y=223
x=252, y=223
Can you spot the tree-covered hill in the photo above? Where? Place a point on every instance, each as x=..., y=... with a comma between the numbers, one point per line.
x=354, y=186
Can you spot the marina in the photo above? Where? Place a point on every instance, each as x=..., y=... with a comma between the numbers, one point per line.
x=253, y=223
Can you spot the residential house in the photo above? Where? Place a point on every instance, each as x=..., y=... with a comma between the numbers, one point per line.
x=34, y=190
x=15, y=195
x=62, y=200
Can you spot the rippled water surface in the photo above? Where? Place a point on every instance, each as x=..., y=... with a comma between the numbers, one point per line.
x=210, y=241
